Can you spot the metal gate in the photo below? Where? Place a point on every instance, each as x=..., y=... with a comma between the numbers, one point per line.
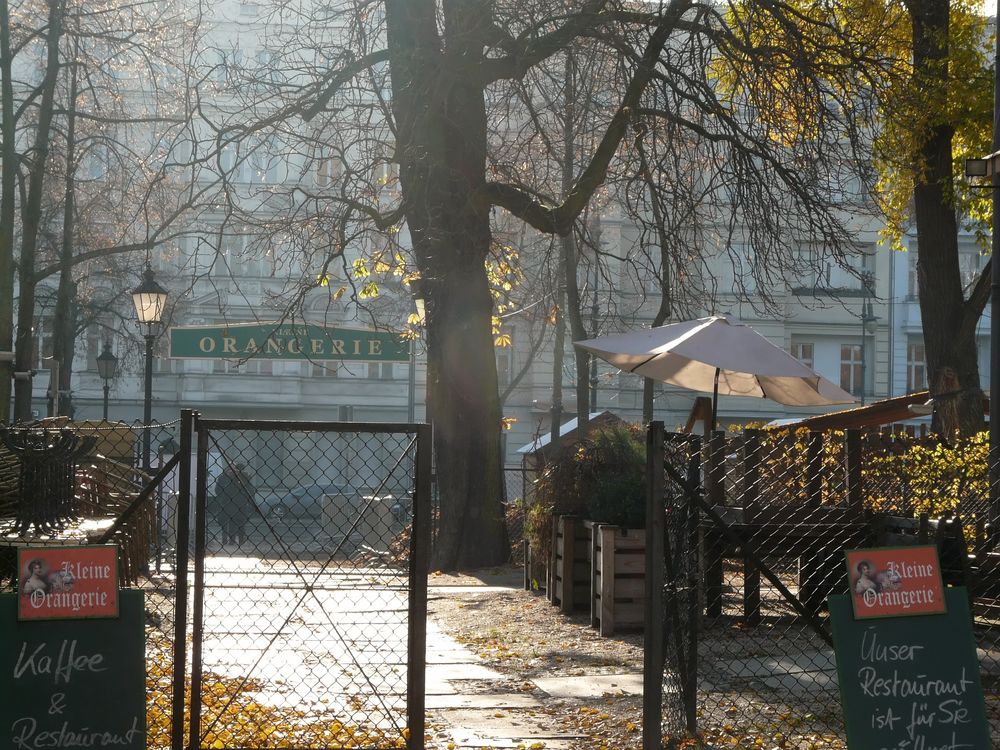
x=303, y=550
x=741, y=553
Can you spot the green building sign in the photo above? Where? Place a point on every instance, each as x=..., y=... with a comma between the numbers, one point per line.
x=297, y=341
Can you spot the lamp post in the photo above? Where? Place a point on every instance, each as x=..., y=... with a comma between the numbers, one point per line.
x=869, y=325
x=107, y=368
x=149, y=299
x=411, y=401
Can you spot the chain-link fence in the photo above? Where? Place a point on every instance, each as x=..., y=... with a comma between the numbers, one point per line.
x=516, y=486
x=73, y=483
x=288, y=552
x=748, y=652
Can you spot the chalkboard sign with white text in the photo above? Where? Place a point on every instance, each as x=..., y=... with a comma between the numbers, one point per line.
x=910, y=683
x=73, y=683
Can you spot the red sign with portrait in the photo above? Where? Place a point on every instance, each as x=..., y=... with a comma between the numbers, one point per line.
x=67, y=582
x=895, y=582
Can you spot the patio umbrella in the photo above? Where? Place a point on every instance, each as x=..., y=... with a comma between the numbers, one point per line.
x=717, y=355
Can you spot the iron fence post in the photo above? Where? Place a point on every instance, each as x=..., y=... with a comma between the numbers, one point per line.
x=198, y=604
x=188, y=418
x=653, y=652
x=420, y=550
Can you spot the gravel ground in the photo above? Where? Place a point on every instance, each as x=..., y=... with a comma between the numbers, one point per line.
x=521, y=635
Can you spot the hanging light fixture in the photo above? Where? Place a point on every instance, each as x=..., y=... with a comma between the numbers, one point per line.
x=149, y=299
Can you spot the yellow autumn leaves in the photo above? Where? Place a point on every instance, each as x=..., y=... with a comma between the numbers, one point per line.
x=232, y=717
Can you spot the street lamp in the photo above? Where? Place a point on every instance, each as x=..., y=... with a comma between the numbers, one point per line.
x=107, y=368
x=149, y=299
x=411, y=402
x=869, y=325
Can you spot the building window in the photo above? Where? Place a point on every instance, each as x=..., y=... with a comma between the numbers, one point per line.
x=248, y=367
x=381, y=371
x=44, y=332
x=503, y=367
x=166, y=366
x=916, y=365
x=803, y=352
x=325, y=369
x=850, y=368
x=328, y=170
x=811, y=267
x=970, y=261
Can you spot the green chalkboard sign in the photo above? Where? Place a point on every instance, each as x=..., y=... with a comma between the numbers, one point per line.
x=73, y=683
x=910, y=683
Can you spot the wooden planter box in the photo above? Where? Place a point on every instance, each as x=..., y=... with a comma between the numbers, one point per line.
x=569, y=574
x=618, y=583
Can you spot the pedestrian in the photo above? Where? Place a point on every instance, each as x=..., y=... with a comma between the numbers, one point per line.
x=234, y=497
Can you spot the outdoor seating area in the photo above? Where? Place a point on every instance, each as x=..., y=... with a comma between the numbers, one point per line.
x=86, y=477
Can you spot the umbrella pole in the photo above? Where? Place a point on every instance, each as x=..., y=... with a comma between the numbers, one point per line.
x=715, y=397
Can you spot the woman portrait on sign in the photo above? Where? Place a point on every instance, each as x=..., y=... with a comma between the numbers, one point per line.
x=35, y=580
x=865, y=581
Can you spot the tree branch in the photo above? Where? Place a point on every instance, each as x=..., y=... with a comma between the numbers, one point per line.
x=559, y=219
x=979, y=297
x=526, y=53
x=333, y=80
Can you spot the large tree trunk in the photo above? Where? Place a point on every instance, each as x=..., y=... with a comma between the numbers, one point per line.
x=440, y=116
x=949, y=342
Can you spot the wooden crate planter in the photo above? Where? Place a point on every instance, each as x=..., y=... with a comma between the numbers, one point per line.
x=569, y=573
x=618, y=579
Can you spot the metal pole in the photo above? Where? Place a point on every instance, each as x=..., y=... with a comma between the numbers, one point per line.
x=147, y=405
x=182, y=530
x=653, y=613
x=994, y=514
x=107, y=389
x=593, y=322
x=863, y=352
x=411, y=400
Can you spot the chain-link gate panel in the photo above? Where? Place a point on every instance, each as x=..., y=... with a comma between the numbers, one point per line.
x=307, y=630
x=680, y=598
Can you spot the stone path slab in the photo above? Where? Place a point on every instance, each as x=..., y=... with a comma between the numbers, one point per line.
x=496, y=728
x=492, y=701
x=590, y=686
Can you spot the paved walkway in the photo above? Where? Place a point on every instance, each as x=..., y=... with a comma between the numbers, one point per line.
x=472, y=706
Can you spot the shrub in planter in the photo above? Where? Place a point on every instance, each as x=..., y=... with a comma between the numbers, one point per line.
x=620, y=501
x=611, y=476
x=555, y=493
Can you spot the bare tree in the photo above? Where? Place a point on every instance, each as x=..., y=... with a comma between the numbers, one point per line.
x=94, y=102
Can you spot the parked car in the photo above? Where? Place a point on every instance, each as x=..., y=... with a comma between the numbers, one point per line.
x=305, y=502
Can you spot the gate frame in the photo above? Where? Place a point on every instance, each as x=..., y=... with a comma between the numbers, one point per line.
x=419, y=562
